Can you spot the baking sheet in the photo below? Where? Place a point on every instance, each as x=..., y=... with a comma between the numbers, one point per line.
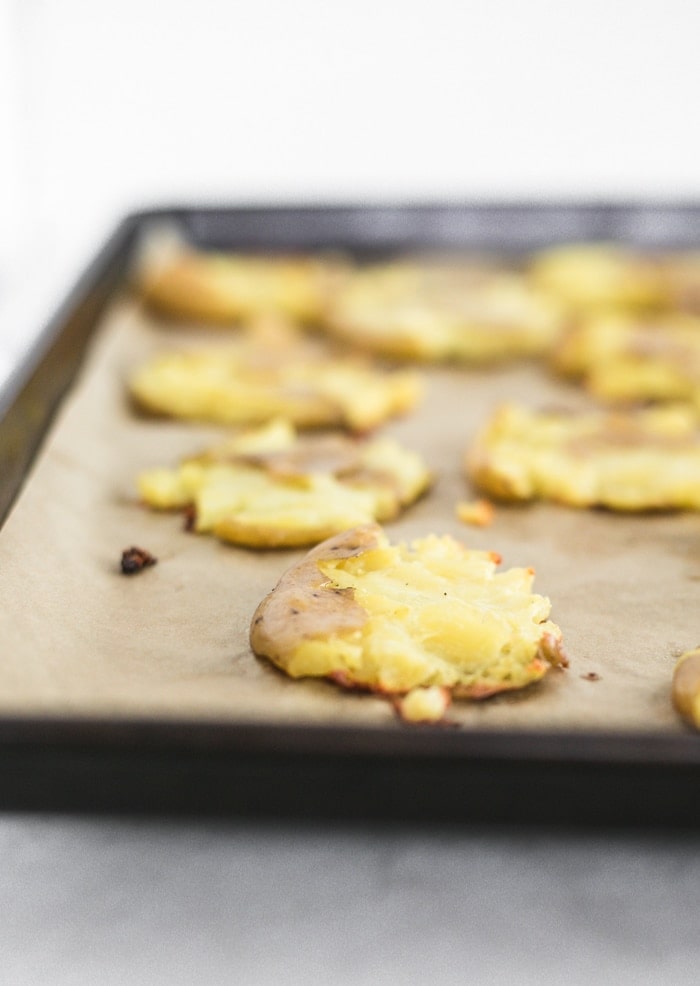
x=78, y=638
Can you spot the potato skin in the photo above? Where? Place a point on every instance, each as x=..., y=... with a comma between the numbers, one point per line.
x=182, y=290
x=685, y=690
x=299, y=607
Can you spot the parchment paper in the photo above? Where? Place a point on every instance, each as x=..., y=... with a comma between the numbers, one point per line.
x=79, y=638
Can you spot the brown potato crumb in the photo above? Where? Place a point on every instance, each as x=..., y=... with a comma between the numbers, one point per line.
x=134, y=560
x=478, y=513
x=424, y=704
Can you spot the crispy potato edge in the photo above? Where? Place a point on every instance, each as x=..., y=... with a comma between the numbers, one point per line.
x=685, y=687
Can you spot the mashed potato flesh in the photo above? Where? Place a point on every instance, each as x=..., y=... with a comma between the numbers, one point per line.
x=437, y=614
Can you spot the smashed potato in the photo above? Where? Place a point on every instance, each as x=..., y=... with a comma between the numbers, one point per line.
x=272, y=372
x=680, y=275
x=424, y=621
x=227, y=287
x=477, y=513
x=599, y=276
x=441, y=312
x=627, y=358
x=272, y=489
x=629, y=461
x=685, y=690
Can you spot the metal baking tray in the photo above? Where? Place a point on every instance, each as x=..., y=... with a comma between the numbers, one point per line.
x=431, y=774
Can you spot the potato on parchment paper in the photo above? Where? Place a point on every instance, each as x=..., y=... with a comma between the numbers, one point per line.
x=273, y=371
x=224, y=288
x=270, y=488
x=680, y=274
x=628, y=358
x=477, y=513
x=462, y=312
x=646, y=459
x=420, y=623
x=599, y=277
x=685, y=690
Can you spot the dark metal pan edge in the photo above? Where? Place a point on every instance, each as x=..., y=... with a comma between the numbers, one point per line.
x=229, y=738
x=33, y=391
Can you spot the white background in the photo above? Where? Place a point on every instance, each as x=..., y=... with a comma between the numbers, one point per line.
x=107, y=106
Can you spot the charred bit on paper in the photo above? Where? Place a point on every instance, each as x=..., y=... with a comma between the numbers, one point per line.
x=134, y=560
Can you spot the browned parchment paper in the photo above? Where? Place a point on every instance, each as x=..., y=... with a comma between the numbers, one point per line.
x=77, y=637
